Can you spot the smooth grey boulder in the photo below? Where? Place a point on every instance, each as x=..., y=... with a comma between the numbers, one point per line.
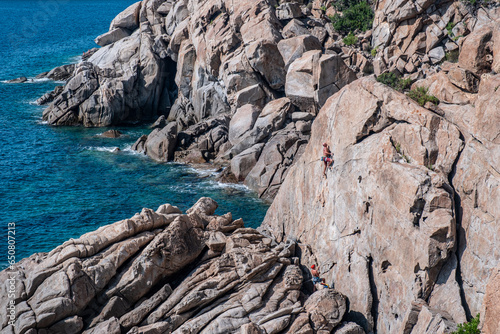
x=278, y=154
x=301, y=116
x=160, y=123
x=265, y=58
x=161, y=144
x=437, y=54
x=18, y=80
x=139, y=144
x=50, y=96
x=64, y=109
x=60, y=73
x=128, y=19
x=242, y=121
x=271, y=118
x=111, y=36
x=243, y=163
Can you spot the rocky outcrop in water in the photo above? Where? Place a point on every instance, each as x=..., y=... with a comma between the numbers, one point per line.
x=168, y=272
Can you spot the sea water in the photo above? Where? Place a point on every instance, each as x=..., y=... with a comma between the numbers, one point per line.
x=57, y=183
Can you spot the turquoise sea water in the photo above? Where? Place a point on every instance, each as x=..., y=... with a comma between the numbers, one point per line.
x=58, y=183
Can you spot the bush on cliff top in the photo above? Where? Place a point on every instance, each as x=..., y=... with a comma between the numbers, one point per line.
x=356, y=15
x=469, y=327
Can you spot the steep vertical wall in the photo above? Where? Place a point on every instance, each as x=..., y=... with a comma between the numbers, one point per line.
x=382, y=222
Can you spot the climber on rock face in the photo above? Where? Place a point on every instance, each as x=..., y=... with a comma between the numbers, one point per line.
x=315, y=277
x=327, y=157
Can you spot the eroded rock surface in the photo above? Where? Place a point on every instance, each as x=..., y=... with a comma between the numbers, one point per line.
x=382, y=224
x=168, y=272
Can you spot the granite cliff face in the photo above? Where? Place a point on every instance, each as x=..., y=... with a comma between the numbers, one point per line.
x=406, y=222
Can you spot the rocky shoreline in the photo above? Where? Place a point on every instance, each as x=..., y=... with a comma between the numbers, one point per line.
x=406, y=223
x=167, y=272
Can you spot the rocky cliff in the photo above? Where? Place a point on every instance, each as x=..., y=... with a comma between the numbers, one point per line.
x=168, y=272
x=406, y=221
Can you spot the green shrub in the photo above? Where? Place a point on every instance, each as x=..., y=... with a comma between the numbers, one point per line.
x=403, y=84
x=350, y=39
x=392, y=80
x=389, y=79
x=452, y=56
x=450, y=27
x=469, y=327
x=374, y=51
x=323, y=8
x=356, y=17
x=421, y=96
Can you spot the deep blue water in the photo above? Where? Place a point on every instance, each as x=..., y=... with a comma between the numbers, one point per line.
x=58, y=183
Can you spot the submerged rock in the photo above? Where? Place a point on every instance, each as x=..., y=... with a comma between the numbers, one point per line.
x=18, y=80
x=111, y=134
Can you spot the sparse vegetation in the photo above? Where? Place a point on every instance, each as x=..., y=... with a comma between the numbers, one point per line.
x=421, y=96
x=450, y=27
x=469, y=327
x=374, y=51
x=350, y=39
x=405, y=158
x=430, y=166
x=403, y=84
x=323, y=8
x=397, y=146
x=356, y=15
x=452, y=56
x=392, y=80
x=471, y=2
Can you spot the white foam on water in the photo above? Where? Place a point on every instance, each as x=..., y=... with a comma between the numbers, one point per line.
x=128, y=149
x=221, y=185
x=100, y=148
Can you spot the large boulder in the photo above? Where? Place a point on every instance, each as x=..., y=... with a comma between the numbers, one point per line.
x=128, y=19
x=474, y=51
x=78, y=89
x=243, y=163
x=242, y=122
x=271, y=118
x=314, y=77
x=295, y=47
x=390, y=177
x=111, y=36
x=161, y=144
